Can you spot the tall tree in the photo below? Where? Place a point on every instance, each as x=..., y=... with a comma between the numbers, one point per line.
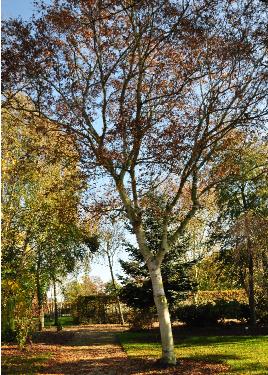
x=149, y=89
x=111, y=239
x=41, y=194
x=242, y=201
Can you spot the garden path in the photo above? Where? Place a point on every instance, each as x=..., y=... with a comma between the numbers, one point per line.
x=90, y=350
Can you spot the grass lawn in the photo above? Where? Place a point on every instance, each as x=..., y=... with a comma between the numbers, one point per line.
x=63, y=320
x=243, y=354
x=23, y=363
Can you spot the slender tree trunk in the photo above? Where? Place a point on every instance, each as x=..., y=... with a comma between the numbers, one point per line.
x=115, y=289
x=196, y=279
x=40, y=299
x=265, y=273
x=56, y=312
x=251, y=292
x=168, y=355
x=41, y=317
x=160, y=300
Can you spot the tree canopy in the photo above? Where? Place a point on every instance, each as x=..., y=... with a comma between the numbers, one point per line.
x=150, y=90
x=42, y=230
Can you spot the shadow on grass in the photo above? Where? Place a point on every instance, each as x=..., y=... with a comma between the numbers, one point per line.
x=130, y=366
x=221, y=330
x=251, y=368
x=212, y=358
x=183, y=341
x=23, y=365
x=241, y=368
x=212, y=340
x=200, y=364
x=226, y=350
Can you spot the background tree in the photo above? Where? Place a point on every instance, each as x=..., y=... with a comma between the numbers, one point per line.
x=87, y=286
x=41, y=192
x=242, y=200
x=111, y=239
x=214, y=273
x=150, y=90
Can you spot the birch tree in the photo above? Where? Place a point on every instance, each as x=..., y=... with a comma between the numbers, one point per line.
x=41, y=191
x=149, y=89
x=111, y=239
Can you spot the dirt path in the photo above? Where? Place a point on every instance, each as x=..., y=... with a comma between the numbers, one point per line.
x=91, y=350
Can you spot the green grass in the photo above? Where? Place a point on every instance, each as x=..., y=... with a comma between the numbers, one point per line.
x=243, y=354
x=63, y=320
x=23, y=364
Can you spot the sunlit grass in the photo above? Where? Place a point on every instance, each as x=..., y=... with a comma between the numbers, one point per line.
x=243, y=354
x=63, y=320
x=23, y=364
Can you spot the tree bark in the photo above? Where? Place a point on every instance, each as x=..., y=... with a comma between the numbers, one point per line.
x=168, y=355
x=115, y=289
x=251, y=292
x=56, y=312
x=41, y=318
x=40, y=299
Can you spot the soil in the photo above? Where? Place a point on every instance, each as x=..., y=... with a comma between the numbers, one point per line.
x=93, y=350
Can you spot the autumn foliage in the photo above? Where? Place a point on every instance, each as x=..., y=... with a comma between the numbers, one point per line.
x=150, y=90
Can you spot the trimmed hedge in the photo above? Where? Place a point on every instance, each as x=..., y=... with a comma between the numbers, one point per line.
x=95, y=309
x=211, y=313
x=205, y=296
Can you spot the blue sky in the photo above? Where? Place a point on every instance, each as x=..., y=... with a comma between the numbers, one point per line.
x=24, y=9
x=15, y=8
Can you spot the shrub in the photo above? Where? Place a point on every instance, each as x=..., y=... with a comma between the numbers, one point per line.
x=140, y=319
x=24, y=327
x=262, y=308
x=264, y=319
x=24, y=323
x=198, y=315
x=8, y=319
x=17, y=318
x=233, y=310
x=211, y=313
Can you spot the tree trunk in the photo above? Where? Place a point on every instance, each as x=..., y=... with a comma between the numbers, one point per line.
x=41, y=318
x=168, y=355
x=115, y=289
x=56, y=313
x=251, y=293
x=40, y=299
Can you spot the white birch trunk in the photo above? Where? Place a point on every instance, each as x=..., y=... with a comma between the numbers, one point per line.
x=115, y=289
x=168, y=355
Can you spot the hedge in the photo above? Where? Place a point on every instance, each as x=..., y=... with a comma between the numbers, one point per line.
x=212, y=313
